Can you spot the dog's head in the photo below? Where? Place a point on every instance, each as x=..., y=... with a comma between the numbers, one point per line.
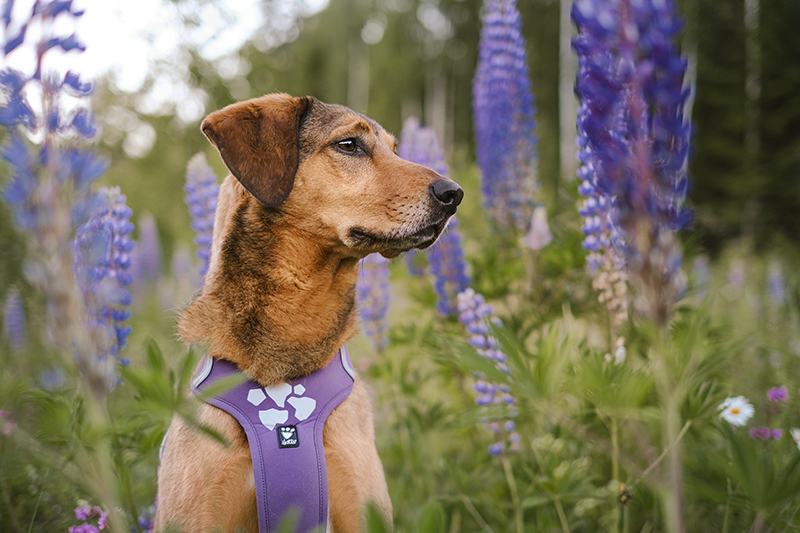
x=332, y=172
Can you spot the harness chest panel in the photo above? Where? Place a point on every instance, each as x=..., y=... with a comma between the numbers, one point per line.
x=284, y=426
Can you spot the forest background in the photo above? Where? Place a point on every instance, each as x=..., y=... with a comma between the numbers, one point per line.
x=419, y=58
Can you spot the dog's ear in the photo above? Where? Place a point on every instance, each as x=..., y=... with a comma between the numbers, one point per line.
x=257, y=140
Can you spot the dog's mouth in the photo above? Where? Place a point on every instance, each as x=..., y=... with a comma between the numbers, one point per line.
x=393, y=244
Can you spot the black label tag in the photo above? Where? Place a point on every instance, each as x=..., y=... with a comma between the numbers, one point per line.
x=287, y=437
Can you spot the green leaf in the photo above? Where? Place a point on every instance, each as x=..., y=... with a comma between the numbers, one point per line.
x=432, y=519
x=374, y=520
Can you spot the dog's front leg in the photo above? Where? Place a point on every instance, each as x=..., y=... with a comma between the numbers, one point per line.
x=355, y=473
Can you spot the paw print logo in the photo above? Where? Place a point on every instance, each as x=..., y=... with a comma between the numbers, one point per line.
x=282, y=395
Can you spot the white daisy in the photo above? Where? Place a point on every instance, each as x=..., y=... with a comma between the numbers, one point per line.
x=737, y=411
x=796, y=436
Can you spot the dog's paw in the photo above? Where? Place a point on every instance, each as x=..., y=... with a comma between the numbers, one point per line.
x=280, y=395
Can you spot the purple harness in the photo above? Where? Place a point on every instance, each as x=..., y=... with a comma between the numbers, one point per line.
x=284, y=429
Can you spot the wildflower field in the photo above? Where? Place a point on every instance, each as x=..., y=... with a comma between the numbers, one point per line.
x=577, y=365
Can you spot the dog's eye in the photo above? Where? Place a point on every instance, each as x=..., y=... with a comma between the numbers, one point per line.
x=347, y=145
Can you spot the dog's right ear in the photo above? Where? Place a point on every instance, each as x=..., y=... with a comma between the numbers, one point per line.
x=257, y=140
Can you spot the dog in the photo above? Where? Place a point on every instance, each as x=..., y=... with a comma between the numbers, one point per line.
x=313, y=188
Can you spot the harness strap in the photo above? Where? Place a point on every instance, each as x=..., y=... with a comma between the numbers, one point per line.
x=284, y=426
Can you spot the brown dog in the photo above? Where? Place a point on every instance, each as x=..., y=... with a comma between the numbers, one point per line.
x=313, y=188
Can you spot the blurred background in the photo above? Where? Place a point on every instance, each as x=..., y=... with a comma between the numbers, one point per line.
x=162, y=65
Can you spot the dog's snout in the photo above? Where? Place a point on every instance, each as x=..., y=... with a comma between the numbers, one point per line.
x=447, y=193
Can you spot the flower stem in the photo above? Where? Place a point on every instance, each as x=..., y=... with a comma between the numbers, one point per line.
x=561, y=515
x=615, y=467
x=512, y=485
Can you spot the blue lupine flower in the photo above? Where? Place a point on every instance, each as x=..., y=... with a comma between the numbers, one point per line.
x=776, y=283
x=146, y=267
x=475, y=314
x=449, y=269
x=372, y=295
x=503, y=112
x=202, y=190
x=49, y=190
x=446, y=257
x=14, y=320
x=101, y=259
x=633, y=139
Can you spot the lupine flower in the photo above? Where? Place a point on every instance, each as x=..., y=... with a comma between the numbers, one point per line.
x=778, y=394
x=776, y=284
x=446, y=257
x=372, y=294
x=765, y=433
x=101, y=262
x=49, y=191
x=146, y=261
x=449, y=269
x=503, y=113
x=538, y=235
x=421, y=146
x=14, y=320
x=603, y=241
x=630, y=83
x=202, y=190
x=476, y=314
x=736, y=411
x=147, y=518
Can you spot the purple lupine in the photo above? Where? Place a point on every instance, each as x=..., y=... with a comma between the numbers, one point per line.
x=630, y=82
x=146, y=262
x=476, y=315
x=14, y=321
x=101, y=259
x=202, y=190
x=503, y=112
x=372, y=295
x=776, y=283
x=446, y=257
x=49, y=191
x=603, y=241
x=449, y=269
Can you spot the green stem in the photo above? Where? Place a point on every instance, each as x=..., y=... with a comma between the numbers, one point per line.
x=561, y=515
x=671, y=395
x=726, y=517
x=512, y=485
x=615, y=467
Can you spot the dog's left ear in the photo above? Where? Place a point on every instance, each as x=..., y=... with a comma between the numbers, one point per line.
x=257, y=140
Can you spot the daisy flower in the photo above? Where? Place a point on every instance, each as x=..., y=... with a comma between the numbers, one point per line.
x=796, y=436
x=737, y=411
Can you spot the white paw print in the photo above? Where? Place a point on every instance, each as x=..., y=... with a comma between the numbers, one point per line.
x=281, y=395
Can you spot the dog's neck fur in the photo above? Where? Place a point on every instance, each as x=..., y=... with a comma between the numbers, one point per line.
x=275, y=303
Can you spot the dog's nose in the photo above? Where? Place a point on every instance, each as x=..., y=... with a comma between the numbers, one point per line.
x=447, y=193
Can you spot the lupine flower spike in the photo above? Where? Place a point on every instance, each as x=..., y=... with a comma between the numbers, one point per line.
x=503, y=112
x=202, y=190
x=372, y=294
x=101, y=259
x=634, y=142
x=446, y=257
x=476, y=314
x=146, y=267
x=49, y=190
x=14, y=321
